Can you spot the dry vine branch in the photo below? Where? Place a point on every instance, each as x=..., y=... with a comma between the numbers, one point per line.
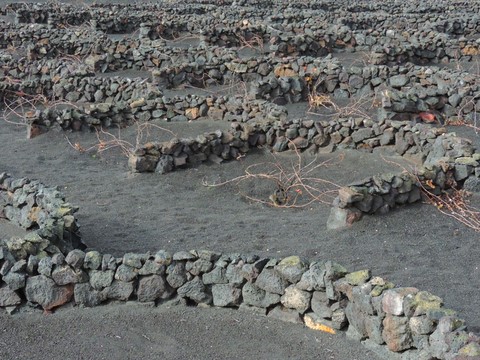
x=355, y=106
x=24, y=106
x=107, y=140
x=294, y=186
x=455, y=203
x=452, y=202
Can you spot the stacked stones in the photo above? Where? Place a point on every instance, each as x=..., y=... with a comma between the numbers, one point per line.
x=179, y=108
x=387, y=45
x=323, y=295
x=41, y=210
x=449, y=162
x=164, y=157
x=418, y=142
x=402, y=89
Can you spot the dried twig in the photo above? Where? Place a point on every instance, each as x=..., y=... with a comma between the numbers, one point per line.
x=294, y=187
x=455, y=203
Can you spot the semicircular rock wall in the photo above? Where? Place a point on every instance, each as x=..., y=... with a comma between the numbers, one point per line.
x=397, y=322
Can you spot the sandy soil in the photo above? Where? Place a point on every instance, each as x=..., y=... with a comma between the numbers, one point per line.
x=133, y=331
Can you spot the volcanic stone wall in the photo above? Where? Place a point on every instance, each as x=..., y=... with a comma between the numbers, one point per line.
x=321, y=294
x=401, y=89
x=41, y=210
x=386, y=46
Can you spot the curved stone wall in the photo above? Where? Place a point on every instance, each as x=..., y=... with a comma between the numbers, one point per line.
x=323, y=295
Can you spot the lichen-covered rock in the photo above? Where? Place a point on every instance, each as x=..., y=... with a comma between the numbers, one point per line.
x=291, y=268
x=100, y=279
x=358, y=277
x=92, y=260
x=297, y=299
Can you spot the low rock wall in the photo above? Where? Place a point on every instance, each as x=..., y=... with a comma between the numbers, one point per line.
x=390, y=47
x=42, y=211
x=403, y=323
x=401, y=89
x=179, y=108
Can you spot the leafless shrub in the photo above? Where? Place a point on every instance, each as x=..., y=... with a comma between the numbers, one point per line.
x=293, y=186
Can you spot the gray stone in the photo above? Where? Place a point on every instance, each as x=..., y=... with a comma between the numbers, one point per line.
x=58, y=259
x=108, y=262
x=216, y=276
x=195, y=290
x=43, y=291
x=313, y=278
x=362, y=134
x=86, y=296
x=209, y=255
x=176, y=274
x=374, y=328
x=101, y=279
x=32, y=264
x=320, y=305
x=133, y=260
x=461, y=172
x=165, y=164
x=270, y=280
x=152, y=267
x=75, y=258
x=63, y=275
x=153, y=287
x=183, y=255
x=119, y=290
x=45, y=266
x=355, y=81
x=472, y=183
x=339, y=319
x=341, y=218
x=397, y=81
x=251, y=271
x=284, y=314
x=9, y=297
x=163, y=257
x=226, y=295
x=15, y=280
x=360, y=295
x=234, y=274
x=126, y=273
x=198, y=267
x=387, y=137
x=356, y=319
x=254, y=296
